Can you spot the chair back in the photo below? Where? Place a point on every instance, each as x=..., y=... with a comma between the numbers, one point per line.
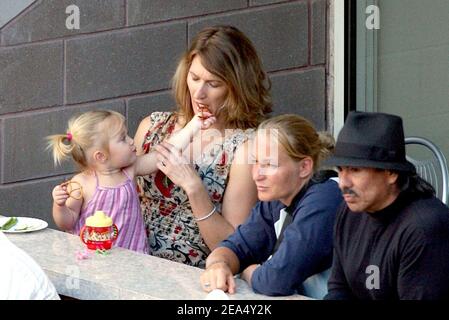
x=434, y=170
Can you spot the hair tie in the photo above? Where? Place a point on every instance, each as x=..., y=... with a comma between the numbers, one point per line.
x=69, y=136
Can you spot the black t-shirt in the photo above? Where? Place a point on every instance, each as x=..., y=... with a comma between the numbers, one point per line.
x=400, y=252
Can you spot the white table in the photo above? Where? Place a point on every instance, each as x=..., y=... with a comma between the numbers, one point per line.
x=121, y=274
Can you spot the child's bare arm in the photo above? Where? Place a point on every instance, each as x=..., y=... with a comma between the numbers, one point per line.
x=66, y=206
x=147, y=163
x=182, y=138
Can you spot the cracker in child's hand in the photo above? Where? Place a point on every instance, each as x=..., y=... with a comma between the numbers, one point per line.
x=74, y=189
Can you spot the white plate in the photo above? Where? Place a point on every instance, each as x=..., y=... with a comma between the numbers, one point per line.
x=217, y=294
x=25, y=224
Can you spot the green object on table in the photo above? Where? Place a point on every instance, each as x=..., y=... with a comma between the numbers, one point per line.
x=10, y=223
x=102, y=252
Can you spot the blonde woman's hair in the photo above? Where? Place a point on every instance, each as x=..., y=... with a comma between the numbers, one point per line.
x=228, y=54
x=299, y=138
x=83, y=132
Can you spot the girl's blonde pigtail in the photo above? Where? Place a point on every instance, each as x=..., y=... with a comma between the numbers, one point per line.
x=61, y=146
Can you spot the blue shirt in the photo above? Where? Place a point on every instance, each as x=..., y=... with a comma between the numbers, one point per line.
x=305, y=250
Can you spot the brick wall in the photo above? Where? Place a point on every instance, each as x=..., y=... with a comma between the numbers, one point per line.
x=122, y=58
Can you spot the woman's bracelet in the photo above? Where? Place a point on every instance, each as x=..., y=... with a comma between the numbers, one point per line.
x=214, y=209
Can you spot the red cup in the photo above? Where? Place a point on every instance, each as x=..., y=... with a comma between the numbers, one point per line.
x=99, y=237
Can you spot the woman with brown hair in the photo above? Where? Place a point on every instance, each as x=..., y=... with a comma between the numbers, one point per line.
x=201, y=194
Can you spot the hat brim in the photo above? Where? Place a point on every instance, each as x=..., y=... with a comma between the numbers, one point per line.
x=365, y=163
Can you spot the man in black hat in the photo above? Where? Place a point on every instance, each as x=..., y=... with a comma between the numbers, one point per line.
x=391, y=236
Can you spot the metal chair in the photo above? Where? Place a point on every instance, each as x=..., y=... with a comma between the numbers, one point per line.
x=434, y=171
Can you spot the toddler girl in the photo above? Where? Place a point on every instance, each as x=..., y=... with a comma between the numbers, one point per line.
x=99, y=144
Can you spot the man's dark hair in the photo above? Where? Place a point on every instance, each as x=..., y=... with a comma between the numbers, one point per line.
x=413, y=184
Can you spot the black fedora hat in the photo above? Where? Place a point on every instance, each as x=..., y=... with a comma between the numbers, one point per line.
x=371, y=140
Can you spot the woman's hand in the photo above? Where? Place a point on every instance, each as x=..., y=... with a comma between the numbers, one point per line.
x=176, y=167
x=218, y=276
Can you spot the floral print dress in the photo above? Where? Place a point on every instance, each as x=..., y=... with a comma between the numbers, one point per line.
x=171, y=229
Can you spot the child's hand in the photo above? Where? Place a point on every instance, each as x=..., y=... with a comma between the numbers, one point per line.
x=60, y=195
x=205, y=119
x=208, y=121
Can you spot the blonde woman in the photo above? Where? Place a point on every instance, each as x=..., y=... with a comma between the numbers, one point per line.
x=285, y=247
x=190, y=207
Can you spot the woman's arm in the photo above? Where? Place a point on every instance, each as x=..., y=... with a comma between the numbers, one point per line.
x=240, y=195
x=249, y=245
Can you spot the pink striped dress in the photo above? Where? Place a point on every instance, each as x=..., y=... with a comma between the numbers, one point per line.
x=122, y=204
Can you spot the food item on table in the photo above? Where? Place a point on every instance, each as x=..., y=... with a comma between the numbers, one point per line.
x=23, y=228
x=10, y=223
